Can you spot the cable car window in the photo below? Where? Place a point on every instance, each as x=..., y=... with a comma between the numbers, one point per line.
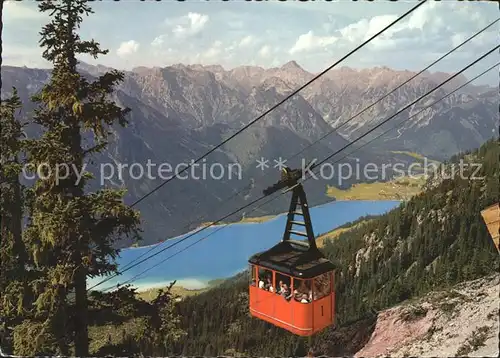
x=302, y=290
x=251, y=275
x=284, y=285
x=322, y=285
x=266, y=279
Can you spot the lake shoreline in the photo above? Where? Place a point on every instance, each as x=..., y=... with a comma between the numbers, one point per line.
x=252, y=221
x=225, y=253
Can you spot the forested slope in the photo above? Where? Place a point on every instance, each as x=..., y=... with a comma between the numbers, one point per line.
x=435, y=240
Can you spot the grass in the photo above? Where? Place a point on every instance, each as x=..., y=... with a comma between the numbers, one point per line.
x=413, y=313
x=448, y=301
x=410, y=154
x=432, y=331
x=475, y=341
x=448, y=307
x=335, y=233
x=492, y=314
x=257, y=219
x=398, y=189
x=414, y=155
x=151, y=294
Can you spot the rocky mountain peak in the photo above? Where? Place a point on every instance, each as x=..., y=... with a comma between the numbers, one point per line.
x=292, y=66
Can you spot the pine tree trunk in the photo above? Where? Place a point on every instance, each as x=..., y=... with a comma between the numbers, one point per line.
x=81, y=306
x=17, y=218
x=80, y=279
x=3, y=236
x=1, y=43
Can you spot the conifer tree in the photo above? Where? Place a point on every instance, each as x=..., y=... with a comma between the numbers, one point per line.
x=10, y=198
x=12, y=250
x=71, y=232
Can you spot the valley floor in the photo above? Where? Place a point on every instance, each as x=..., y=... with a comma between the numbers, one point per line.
x=458, y=322
x=398, y=189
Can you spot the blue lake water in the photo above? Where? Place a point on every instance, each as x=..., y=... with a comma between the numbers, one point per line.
x=226, y=250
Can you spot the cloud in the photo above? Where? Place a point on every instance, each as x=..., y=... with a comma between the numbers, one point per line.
x=314, y=41
x=236, y=24
x=247, y=41
x=14, y=10
x=424, y=26
x=191, y=24
x=365, y=28
x=265, y=51
x=330, y=24
x=158, y=41
x=189, y=34
x=182, y=27
x=213, y=51
x=127, y=48
x=309, y=42
x=422, y=16
x=458, y=38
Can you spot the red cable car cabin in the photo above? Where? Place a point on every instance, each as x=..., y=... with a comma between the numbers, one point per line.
x=292, y=284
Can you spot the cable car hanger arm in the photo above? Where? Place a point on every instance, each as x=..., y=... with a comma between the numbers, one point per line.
x=290, y=179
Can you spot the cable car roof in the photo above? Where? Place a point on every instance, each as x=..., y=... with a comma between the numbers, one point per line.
x=293, y=258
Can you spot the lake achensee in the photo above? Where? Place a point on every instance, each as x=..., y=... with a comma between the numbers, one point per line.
x=227, y=248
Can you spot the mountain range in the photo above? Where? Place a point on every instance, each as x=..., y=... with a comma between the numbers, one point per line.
x=182, y=111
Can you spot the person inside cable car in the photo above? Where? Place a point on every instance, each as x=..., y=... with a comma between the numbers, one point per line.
x=269, y=285
x=285, y=292
x=304, y=298
x=261, y=283
x=312, y=296
x=280, y=288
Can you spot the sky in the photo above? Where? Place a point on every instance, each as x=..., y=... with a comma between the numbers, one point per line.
x=232, y=33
